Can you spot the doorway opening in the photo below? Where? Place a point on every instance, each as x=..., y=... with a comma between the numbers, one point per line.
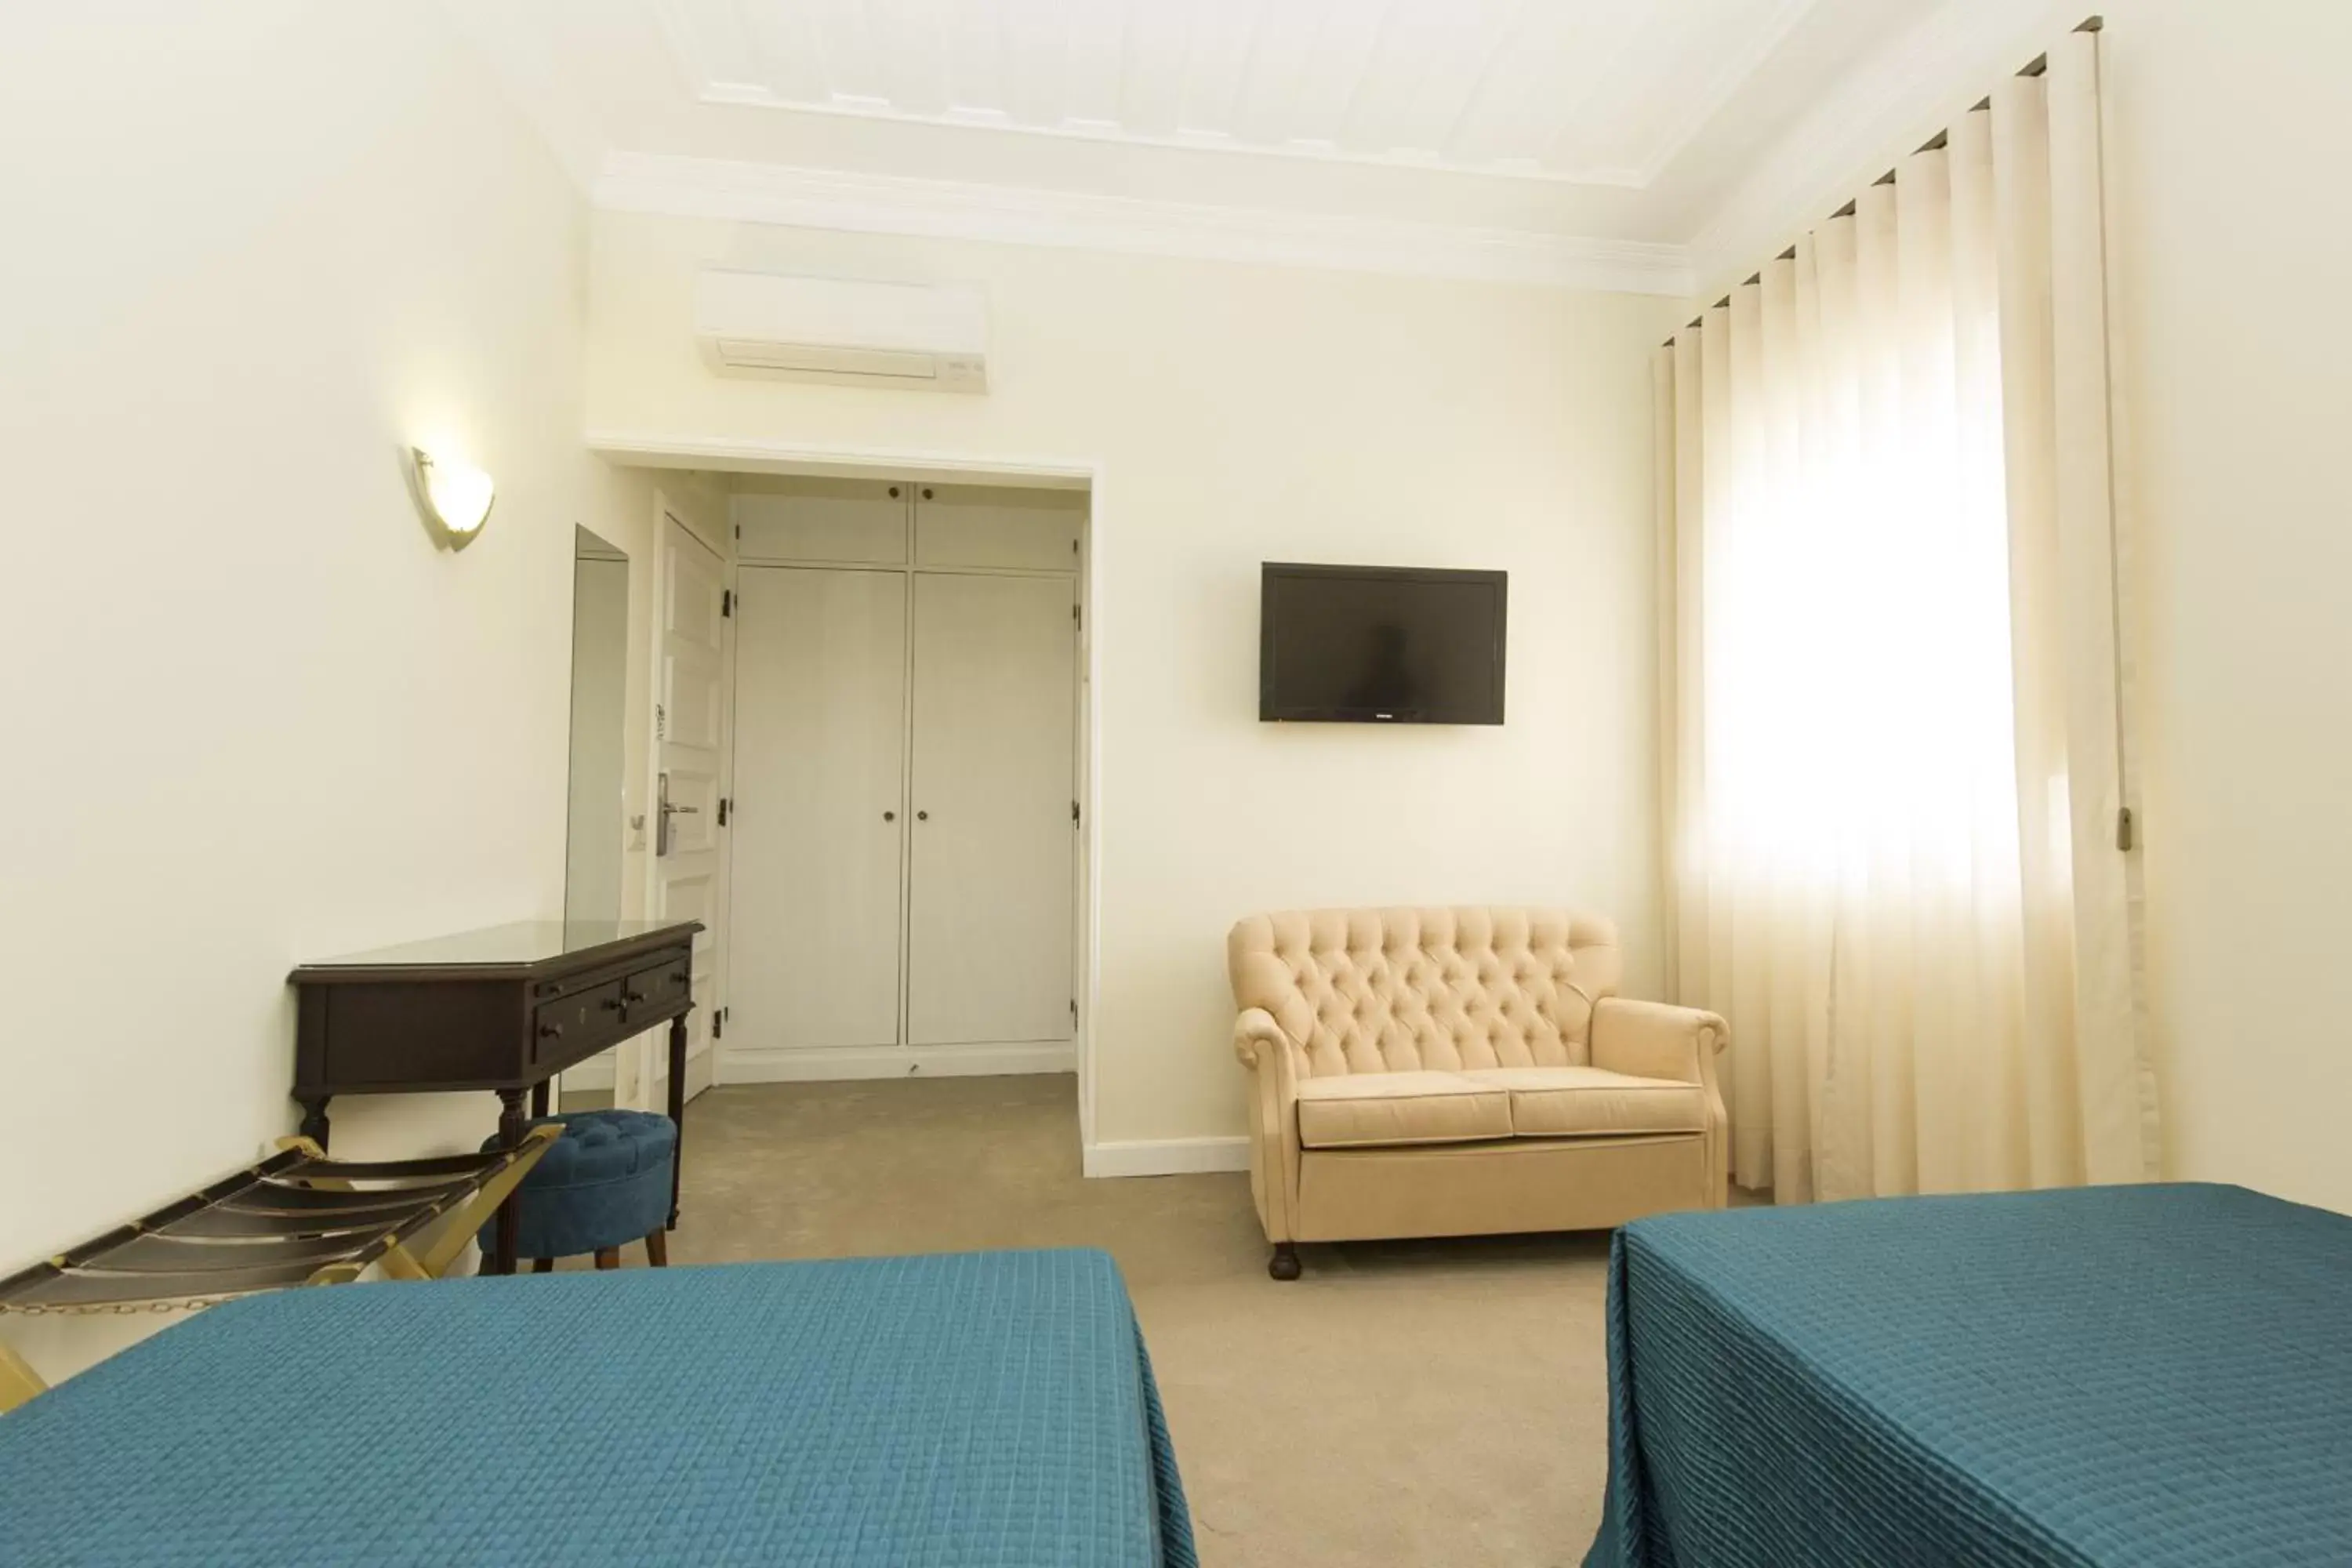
x=899, y=811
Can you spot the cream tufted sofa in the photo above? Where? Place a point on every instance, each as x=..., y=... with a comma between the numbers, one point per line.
x=1463, y=1072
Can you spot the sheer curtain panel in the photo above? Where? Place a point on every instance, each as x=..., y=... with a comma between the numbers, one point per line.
x=1893, y=760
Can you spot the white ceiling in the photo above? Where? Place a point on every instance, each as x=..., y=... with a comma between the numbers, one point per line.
x=1591, y=92
x=1572, y=140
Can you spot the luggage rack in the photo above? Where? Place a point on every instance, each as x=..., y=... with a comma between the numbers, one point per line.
x=296, y=1219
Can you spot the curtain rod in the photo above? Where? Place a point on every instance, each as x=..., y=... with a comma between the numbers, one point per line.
x=2038, y=65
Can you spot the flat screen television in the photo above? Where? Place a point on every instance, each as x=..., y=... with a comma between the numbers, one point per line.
x=1380, y=645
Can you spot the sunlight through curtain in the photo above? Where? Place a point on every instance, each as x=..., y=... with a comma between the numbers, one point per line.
x=1894, y=766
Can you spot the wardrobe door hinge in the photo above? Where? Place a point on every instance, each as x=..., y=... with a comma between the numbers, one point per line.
x=1074, y=1011
x=1073, y=814
x=726, y=809
x=2123, y=825
x=718, y=1024
x=727, y=602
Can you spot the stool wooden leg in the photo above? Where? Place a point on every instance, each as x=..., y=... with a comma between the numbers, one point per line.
x=542, y=1265
x=608, y=1258
x=658, y=1249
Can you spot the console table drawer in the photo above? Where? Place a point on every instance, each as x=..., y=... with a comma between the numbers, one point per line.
x=559, y=1028
x=661, y=986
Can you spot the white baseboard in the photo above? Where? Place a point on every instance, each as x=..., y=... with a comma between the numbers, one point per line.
x=782, y=1063
x=1166, y=1156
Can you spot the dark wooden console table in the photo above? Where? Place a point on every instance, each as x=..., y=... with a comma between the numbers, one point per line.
x=503, y=1009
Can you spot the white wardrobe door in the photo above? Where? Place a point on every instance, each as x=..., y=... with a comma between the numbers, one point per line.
x=989, y=923
x=820, y=746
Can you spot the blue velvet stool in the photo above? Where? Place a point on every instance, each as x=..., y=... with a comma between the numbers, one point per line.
x=605, y=1182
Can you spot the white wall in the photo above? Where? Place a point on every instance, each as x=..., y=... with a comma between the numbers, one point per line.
x=1242, y=415
x=256, y=716
x=2227, y=205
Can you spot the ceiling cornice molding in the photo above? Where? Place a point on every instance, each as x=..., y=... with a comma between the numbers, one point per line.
x=1882, y=108
x=938, y=209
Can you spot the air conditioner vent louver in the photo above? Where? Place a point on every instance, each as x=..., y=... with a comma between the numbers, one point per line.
x=743, y=353
x=924, y=336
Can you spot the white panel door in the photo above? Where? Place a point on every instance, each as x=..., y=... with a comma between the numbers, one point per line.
x=690, y=730
x=820, y=749
x=989, y=917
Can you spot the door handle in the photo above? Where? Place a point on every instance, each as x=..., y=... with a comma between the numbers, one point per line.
x=664, y=811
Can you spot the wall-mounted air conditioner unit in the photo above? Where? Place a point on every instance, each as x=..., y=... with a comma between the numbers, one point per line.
x=929, y=336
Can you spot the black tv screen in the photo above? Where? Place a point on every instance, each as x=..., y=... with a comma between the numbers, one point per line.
x=1380, y=645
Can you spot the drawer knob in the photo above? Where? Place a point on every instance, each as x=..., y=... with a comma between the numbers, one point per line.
x=550, y=1031
x=610, y=1004
x=631, y=998
x=677, y=977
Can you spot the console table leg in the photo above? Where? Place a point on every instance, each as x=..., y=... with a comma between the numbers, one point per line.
x=511, y=1124
x=314, y=1120
x=676, y=1109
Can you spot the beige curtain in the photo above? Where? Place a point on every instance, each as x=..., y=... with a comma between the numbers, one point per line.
x=1893, y=760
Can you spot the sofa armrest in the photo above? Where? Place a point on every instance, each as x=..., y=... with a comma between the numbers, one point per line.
x=1656, y=1039
x=1260, y=1042
x=1263, y=1047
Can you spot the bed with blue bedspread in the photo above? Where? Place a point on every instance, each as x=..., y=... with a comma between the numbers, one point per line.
x=2142, y=1376
x=995, y=1410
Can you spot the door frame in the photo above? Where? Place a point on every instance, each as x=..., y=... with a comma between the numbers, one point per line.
x=705, y=1070
x=644, y=450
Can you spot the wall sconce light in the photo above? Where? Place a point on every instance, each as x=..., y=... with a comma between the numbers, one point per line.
x=456, y=498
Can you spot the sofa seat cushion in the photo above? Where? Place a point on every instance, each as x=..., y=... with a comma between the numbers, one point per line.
x=1588, y=1102
x=1377, y=1109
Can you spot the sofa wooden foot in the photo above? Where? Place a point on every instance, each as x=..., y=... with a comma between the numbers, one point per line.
x=1283, y=1264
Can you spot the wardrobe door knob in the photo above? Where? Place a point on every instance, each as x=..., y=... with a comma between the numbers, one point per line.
x=923, y=816
x=890, y=816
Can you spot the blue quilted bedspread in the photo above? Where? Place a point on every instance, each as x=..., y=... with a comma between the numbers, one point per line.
x=2141, y=1377
x=993, y=1410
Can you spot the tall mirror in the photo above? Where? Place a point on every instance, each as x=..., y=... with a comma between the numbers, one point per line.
x=600, y=653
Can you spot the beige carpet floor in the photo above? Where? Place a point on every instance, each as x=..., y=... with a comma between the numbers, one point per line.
x=1425, y=1402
